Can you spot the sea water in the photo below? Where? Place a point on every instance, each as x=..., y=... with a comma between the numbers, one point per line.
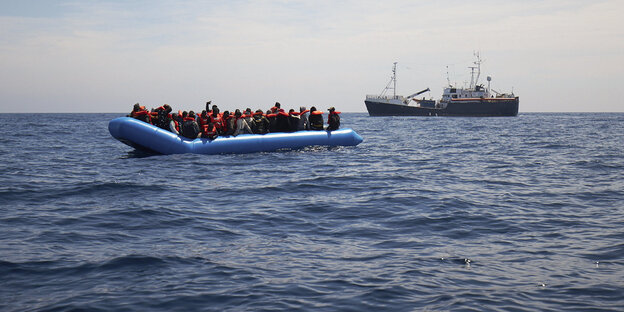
x=428, y=213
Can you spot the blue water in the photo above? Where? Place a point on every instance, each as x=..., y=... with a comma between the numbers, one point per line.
x=435, y=214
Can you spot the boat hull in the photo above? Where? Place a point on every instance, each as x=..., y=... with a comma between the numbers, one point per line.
x=493, y=107
x=141, y=135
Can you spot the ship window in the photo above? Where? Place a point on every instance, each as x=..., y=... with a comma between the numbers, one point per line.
x=454, y=96
x=453, y=90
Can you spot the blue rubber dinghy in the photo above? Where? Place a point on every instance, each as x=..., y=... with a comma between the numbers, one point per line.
x=142, y=135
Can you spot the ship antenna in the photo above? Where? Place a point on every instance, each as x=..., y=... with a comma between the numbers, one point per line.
x=448, y=79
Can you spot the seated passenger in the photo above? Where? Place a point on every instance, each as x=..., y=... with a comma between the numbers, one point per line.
x=270, y=115
x=333, y=120
x=260, y=124
x=315, y=119
x=303, y=119
x=209, y=131
x=190, y=128
x=229, y=123
x=293, y=119
x=241, y=125
x=139, y=112
x=162, y=117
x=216, y=121
x=282, y=124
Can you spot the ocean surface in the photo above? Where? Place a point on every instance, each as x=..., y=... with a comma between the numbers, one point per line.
x=427, y=214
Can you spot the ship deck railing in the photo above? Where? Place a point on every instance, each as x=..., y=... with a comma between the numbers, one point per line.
x=384, y=97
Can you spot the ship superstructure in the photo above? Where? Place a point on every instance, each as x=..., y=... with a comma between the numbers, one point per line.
x=474, y=100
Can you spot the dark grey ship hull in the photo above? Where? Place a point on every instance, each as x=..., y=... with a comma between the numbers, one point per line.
x=494, y=107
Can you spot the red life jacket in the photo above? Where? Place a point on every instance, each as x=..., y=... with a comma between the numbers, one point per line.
x=209, y=130
x=217, y=122
x=332, y=113
x=142, y=115
x=204, y=120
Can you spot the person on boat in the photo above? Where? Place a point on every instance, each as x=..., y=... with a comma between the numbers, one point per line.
x=315, y=119
x=203, y=119
x=162, y=117
x=241, y=125
x=139, y=112
x=303, y=119
x=333, y=120
x=190, y=128
x=282, y=124
x=214, y=107
x=248, y=115
x=216, y=121
x=174, y=126
x=260, y=124
x=229, y=123
x=209, y=131
x=270, y=115
x=293, y=119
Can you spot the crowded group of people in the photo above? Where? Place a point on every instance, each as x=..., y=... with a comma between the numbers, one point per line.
x=211, y=122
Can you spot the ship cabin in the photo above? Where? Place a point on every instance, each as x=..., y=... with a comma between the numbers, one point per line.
x=451, y=93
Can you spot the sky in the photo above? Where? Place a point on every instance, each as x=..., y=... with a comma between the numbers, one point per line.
x=104, y=56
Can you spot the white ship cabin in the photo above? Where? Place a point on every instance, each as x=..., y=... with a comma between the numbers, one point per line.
x=460, y=93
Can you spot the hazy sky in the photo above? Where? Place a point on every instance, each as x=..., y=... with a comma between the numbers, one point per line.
x=104, y=56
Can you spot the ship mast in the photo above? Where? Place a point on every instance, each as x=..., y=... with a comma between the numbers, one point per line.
x=392, y=83
x=394, y=79
x=473, y=81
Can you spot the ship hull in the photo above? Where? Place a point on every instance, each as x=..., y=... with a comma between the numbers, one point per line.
x=492, y=107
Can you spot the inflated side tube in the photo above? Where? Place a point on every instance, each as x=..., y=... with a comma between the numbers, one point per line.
x=142, y=135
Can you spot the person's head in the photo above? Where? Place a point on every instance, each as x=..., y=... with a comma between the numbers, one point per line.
x=167, y=108
x=258, y=112
x=204, y=113
x=278, y=105
x=215, y=111
x=136, y=107
x=191, y=114
x=268, y=112
x=184, y=114
x=331, y=109
x=312, y=109
x=301, y=109
x=226, y=114
x=237, y=113
x=291, y=111
x=248, y=110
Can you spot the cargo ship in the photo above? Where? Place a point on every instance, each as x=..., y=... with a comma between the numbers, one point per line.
x=474, y=101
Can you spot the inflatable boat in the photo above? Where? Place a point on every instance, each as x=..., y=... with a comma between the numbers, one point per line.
x=142, y=135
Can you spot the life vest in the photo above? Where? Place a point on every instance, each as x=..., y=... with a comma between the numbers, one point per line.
x=217, y=122
x=333, y=120
x=204, y=120
x=209, y=130
x=316, y=120
x=142, y=115
x=189, y=129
